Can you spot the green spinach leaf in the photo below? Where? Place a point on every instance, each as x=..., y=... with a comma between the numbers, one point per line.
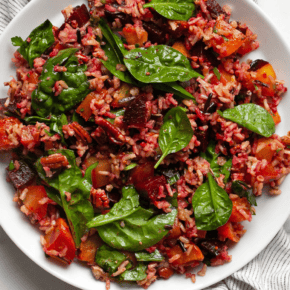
x=114, y=50
x=109, y=259
x=174, y=88
x=252, y=117
x=130, y=227
x=159, y=64
x=173, y=9
x=40, y=39
x=130, y=166
x=78, y=210
x=175, y=133
x=212, y=205
x=212, y=158
x=242, y=189
x=136, y=274
x=44, y=101
x=144, y=256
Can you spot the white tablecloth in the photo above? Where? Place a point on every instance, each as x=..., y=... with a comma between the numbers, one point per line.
x=19, y=272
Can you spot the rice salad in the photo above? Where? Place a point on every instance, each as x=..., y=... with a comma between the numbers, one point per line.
x=139, y=140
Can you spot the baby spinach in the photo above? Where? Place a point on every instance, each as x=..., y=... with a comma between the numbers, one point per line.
x=55, y=123
x=242, y=189
x=109, y=259
x=159, y=64
x=114, y=54
x=39, y=40
x=175, y=133
x=175, y=88
x=44, y=101
x=78, y=210
x=130, y=227
x=212, y=205
x=212, y=158
x=130, y=166
x=173, y=9
x=136, y=274
x=144, y=256
x=252, y=117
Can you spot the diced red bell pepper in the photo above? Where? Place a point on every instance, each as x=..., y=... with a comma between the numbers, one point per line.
x=35, y=193
x=241, y=205
x=98, y=179
x=59, y=242
x=184, y=259
x=88, y=249
x=5, y=142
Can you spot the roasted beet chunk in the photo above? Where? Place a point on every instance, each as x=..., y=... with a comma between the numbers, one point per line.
x=141, y=172
x=257, y=64
x=80, y=14
x=155, y=33
x=203, y=138
x=22, y=175
x=112, y=16
x=149, y=188
x=214, y=8
x=137, y=113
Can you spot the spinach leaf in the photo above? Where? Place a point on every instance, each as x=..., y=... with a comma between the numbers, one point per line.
x=173, y=9
x=117, y=113
x=44, y=101
x=53, y=194
x=136, y=274
x=173, y=199
x=174, y=88
x=128, y=204
x=130, y=227
x=175, y=133
x=41, y=38
x=55, y=123
x=114, y=50
x=242, y=189
x=252, y=117
x=212, y=158
x=144, y=256
x=109, y=259
x=78, y=210
x=212, y=205
x=159, y=64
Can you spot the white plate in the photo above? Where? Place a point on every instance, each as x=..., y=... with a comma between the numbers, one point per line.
x=271, y=211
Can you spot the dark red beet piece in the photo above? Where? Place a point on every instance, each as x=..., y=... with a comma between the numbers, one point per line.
x=182, y=28
x=111, y=16
x=80, y=14
x=141, y=172
x=137, y=113
x=21, y=177
x=203, y=138
x=155, y=33
x=149, y=188
x=214, y=8
x=257, y=64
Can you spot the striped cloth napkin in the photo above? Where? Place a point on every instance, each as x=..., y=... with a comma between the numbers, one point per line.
x=270, y=270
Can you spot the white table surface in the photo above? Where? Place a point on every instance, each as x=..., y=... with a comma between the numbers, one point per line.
x=18, y=272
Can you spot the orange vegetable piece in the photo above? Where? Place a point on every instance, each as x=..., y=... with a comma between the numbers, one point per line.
x=35, y=193
x=233, y=39
x=267, y=75
x=269, y=173
x=225, y=77
x=276, y=117
x=33, y=77
x=29, y=136
x=98, y=179
x=241, y=205
x=88, y=249
x=184, y=259
x=165, y=272
x=227, y=232
x=132, y=37
x=121, y=96
x=5, y=124
x=175, y=232
x=84, y=108
x=266, y=148
x=178, y=45
x=59, y=242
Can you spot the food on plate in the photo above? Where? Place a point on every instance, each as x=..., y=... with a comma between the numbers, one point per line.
x=139, y=139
